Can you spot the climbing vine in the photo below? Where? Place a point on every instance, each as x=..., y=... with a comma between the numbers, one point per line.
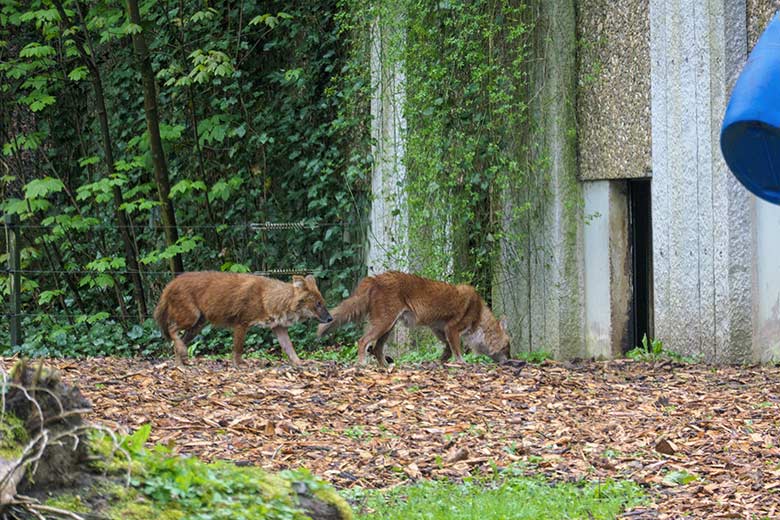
x=464, y=66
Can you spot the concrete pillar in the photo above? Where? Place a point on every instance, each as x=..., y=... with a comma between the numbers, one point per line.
x=540, y=281
x=388, y=230
x=702, y=225
x=608, y=285
x=766, y=345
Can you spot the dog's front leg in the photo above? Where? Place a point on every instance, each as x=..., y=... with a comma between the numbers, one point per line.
x=287, y=346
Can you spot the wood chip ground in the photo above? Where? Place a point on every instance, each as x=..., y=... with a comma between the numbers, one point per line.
x=703, y=440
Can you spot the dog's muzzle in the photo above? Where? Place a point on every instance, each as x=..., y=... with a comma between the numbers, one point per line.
x=326, y=318
x=500, y=358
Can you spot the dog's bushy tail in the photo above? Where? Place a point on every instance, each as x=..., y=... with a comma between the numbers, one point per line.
x=352, y=309
x=161, y=317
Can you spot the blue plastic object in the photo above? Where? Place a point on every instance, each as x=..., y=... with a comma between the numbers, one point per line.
x=750, y=136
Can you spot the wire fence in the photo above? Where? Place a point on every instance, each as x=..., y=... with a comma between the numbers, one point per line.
x=15, y=233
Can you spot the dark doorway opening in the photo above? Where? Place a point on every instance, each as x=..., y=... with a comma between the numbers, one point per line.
x=641, y=238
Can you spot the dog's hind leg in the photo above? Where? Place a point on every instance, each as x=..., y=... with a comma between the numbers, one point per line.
x=239, y=333
x=446, y=354
x=379, y=350
x=184, y=317
x=193, y=331
x=374, y=332
x=453, y=343
x=179, y=347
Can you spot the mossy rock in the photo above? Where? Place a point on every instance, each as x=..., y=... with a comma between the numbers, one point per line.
x=166, y=486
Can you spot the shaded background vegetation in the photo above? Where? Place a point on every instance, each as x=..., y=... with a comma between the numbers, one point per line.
x=263, y=111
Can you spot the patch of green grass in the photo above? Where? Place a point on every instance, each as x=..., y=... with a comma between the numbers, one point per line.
x=517, y=497
x=609, y=453
x=343, y=354
x=651, y=351
x=424, y=352
x=430, y=351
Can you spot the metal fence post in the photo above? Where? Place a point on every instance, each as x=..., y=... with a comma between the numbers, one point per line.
x=14, y=278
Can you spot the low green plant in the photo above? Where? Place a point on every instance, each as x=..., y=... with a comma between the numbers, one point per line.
x=48, y=336
x=653, y=350
x=505, y=495
x=535, y=357
x=357, y=433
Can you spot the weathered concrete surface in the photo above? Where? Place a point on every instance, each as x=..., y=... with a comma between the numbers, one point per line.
x=759, y=12
x=702, y=247
x=540, y=285
x=766, y=345
x=388, y=230
x=608, y=288
x=388, y=233
x=766, y=342
x=598, y=321
x=613, y=93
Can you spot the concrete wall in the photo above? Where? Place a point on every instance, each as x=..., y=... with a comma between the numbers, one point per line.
x=702, y=233
x=540, y=285
x=766, y=346
x=613, y=92
x=613, y=142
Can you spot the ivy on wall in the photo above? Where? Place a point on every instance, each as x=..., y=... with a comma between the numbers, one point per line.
x=465, y=71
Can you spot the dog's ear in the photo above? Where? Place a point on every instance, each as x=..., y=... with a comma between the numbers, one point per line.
x=310, y=280
x=502, y=322
x=298, y=281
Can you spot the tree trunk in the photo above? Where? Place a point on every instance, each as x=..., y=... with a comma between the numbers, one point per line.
x=153, y=127
x=108, y=155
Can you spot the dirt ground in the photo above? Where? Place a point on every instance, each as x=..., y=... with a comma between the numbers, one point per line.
x=703, y=440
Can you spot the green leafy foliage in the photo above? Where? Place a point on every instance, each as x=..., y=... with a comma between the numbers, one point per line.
x=679, y=478
x=95, y=334
x=263, y=116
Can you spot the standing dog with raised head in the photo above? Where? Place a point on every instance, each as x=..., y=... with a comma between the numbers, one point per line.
x=239, y=301
x=450, y=311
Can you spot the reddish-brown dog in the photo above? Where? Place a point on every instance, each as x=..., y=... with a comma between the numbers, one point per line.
x=239, y=301
x=450, y=311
